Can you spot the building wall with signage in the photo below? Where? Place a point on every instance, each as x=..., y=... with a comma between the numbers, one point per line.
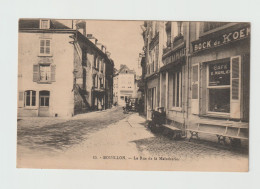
x=174, y=74
x=220, y=73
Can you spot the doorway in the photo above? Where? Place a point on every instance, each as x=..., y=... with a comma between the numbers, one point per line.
x=44, y=100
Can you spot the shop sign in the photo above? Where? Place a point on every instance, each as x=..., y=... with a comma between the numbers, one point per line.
x=219, y=74
x=175, y=56
x=221, y=40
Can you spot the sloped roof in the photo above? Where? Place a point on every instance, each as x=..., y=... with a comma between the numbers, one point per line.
x=35, y=24
x=124, y=69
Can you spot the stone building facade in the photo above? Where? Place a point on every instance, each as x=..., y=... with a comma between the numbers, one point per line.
x=56, y=69
x=124, y=85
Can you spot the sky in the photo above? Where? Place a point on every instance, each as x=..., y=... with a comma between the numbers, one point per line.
x=123, y=39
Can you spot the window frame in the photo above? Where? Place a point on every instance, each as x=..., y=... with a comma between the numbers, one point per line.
x=225, y=114
x=31, y=98
x=174, y=90
x=41, y=24
x=44, y=46
x=50, y=73
x=44, y=97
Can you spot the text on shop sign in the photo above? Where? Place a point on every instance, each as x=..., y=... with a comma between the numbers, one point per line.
x=221, y=40
x=219, y=74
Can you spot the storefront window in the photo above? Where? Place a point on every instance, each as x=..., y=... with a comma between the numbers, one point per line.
x=219, y=87
x=219, y=100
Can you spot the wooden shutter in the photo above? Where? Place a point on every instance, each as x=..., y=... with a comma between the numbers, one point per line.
x=195, y=89
x=21, y=99
x=35, y=72
x=53, y=73
x=235, y=67
x=245, y=85
x=203, y=89
x=42, y=45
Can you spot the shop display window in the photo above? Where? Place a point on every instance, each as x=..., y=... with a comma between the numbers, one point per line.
x=219, y=87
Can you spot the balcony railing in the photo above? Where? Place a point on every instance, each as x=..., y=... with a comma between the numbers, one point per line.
x=176, y=41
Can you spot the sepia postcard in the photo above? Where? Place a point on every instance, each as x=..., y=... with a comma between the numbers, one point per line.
x=133, y=95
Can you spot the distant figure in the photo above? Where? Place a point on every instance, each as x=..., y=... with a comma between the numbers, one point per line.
x=99, y=106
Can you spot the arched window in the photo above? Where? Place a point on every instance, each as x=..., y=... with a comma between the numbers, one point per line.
x=30, y=98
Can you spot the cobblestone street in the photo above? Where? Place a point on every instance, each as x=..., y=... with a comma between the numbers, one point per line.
x=81, y=141
x=50, y=135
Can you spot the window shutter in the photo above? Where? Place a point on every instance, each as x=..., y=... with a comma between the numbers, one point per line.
x=195, y=86
x=35, y=72
x=235, y=78
x=42, y=44
x=20, y=99
x=195, y=89
x=53, y=72
x=235, y=87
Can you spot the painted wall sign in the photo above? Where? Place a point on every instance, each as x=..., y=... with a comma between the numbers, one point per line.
x=221, y=40
x=175, y=56
x=219, y=74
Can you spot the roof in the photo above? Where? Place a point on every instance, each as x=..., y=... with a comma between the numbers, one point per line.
x=35, y=24
x=125, y=70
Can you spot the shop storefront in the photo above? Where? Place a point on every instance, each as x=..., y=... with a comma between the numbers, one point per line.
x=220, y=77
x=173, y=77
x=219, y=82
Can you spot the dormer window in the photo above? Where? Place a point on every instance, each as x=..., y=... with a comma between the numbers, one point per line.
x=45, y=24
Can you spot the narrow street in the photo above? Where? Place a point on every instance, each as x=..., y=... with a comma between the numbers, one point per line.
x=109, y=138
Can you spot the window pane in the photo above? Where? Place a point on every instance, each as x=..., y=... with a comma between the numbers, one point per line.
x=47, y=43
x=42, y=43
x=41, y=49
x=47, y=101
x=33, y=98
x=219, y=74
x=42, y=101
x=47, y=50
x=27, y=93
x=219, y=100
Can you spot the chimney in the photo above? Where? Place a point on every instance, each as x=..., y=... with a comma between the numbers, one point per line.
x=104, y=49
x=108, y=54
x=92, y=38
x=99, y=45
x=81, y=27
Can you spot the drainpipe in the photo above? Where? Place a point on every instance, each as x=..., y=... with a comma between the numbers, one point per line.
x=189, y=78
x=147, y=61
